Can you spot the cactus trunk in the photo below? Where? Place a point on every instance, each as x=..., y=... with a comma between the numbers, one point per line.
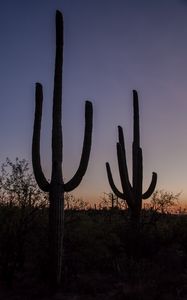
x=56, y=229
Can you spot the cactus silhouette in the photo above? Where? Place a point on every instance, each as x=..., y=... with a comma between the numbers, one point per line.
x=132, y=193
x=56, y=187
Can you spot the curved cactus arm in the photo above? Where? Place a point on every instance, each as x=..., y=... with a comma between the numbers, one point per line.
x=127, y=189
x=74, y=182
x=40, y=178
x=111, y=182
x=122, y=163
x=138, y=187
x=152, y=186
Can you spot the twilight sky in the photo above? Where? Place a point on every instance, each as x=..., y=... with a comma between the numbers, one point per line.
x=111, y=48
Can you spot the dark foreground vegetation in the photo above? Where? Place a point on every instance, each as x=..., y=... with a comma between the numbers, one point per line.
x=102, y=258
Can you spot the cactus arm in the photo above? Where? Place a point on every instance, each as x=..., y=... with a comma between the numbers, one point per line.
x=123, y=171
x=40, y=178
x=111, y=182
x=152, y=186
x=76, y=179
x=123, y=155
x=139, y=178
x=136, y=142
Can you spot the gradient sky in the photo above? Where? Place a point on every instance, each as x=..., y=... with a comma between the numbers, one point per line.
x=111, y=48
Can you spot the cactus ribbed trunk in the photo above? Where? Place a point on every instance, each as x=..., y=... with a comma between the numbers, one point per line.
x=135, y=218
x=56, y=187
x=56, y=194
x=132, y=193
x=56, y=229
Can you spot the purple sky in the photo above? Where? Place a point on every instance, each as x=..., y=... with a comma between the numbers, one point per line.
x=111, y=47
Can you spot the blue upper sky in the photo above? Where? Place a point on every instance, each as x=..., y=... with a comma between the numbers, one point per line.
x=111, y=48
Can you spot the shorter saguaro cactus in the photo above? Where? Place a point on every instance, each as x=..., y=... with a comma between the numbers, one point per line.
x=132, y=193
x=56, y=187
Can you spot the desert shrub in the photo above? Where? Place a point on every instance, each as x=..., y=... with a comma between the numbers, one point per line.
x=21, y=203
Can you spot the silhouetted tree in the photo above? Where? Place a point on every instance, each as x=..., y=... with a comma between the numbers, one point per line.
x=163, y=201
x=18, y=186
x=73, y=203
x=111, y=201
x=20, y=202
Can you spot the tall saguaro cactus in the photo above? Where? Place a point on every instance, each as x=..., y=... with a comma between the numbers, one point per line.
x=132, y=193
x=56, y=187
